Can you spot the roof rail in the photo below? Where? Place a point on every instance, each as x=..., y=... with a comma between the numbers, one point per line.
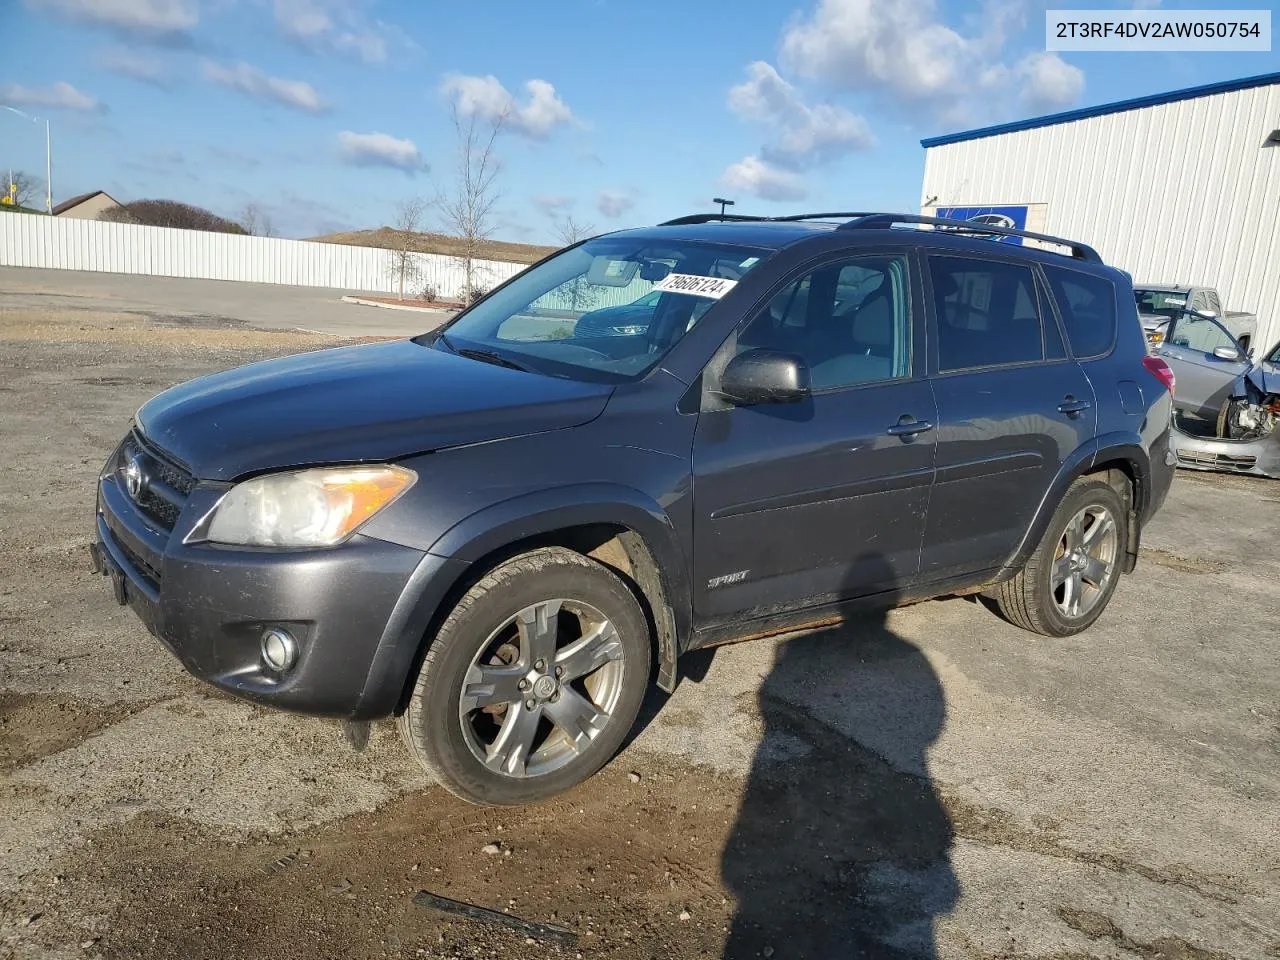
x=739, y=217
x=819, y=216
x=709, y=218
x=874, y=221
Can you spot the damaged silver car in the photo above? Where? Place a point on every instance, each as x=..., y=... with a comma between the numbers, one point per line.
x=1226, y=404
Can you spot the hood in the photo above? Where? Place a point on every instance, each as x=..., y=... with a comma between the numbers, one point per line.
x=352, y=404
x=624, y=311
x=1265, y=378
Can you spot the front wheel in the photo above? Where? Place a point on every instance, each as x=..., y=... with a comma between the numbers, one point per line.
x=1070, y=578
x=532, y=682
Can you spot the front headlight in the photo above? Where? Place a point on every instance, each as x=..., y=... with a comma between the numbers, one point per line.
x=306, y=508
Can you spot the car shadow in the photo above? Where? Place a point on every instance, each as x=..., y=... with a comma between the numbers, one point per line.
x=842, y=845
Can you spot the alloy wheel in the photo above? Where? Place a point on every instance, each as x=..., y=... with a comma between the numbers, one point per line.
x=542, y=687
x=1084, y=562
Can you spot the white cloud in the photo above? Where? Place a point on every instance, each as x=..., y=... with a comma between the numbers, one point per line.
x=170, y=20
x=378, y=150
x=252, y=82
x=759, y=178
x=804, y=135
x=331, y=26
x=60, y=96
x=135, y=67
x=1048, y=81
x=553, y=203
x=614, y=203
x=907, y=56
x=487, y=98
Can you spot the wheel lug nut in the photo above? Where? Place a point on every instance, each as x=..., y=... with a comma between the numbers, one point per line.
x=523, y=684
x=559, y=671
x=529, y=704
x=540, y=665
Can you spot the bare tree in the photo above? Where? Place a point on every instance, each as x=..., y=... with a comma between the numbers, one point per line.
x=407, y=225
x=28, y=189
x=569, y=231
x=468, y=210
x=256, y=221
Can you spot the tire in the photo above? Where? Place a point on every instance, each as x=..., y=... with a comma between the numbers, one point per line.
x=1039, y=597
x=469, y=721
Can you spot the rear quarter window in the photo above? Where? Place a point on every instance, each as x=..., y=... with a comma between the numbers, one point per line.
x=1088, y=307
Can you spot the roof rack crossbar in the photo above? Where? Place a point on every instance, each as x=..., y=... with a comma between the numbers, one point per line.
x=872, y=221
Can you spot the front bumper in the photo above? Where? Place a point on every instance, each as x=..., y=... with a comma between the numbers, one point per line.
x=358, y=611
x=1258, y=457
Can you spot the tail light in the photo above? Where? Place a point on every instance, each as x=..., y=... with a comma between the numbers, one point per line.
x=1160, y=370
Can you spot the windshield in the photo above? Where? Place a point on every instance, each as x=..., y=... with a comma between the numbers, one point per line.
x=607, y=310
x=1168, y=303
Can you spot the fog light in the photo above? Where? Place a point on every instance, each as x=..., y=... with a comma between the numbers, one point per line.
x=279, y=650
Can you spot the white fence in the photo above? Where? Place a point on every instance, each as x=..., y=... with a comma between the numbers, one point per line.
x=29, y=240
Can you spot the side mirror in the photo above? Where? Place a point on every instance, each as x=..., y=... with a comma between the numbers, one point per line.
x=764, y=376
x=1227, y=353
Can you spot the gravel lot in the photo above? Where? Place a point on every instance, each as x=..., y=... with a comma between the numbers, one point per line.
x=928, y=783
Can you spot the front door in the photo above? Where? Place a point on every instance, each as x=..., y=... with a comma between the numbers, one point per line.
x=1011, y=409
x=1203, y=380
x=802, y=503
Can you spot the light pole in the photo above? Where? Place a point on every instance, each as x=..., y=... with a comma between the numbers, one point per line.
x=723, y=203
x=48, y=157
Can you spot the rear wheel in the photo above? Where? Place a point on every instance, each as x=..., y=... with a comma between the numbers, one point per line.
x=532, y=682
x=1070, y=578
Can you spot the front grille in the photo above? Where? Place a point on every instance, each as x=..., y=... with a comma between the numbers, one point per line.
x=165, y=485
x=145, y=570
x=1226, y=461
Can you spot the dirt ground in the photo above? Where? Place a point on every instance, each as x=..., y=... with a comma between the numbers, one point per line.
x=926, y=783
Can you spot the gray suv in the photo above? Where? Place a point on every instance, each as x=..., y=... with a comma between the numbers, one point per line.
x=503, y=531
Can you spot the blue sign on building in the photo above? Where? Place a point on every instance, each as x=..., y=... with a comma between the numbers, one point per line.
x=1012, y=217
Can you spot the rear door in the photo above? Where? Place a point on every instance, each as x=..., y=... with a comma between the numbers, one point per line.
x=1011, y=408
x=799, y=504
x=1204, y=381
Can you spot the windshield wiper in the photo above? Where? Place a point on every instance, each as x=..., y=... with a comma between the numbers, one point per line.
x=489, y=356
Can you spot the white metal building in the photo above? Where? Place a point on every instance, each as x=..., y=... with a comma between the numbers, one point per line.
x=1181, y=187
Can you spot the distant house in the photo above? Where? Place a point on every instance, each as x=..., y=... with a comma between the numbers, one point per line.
x=87, y=206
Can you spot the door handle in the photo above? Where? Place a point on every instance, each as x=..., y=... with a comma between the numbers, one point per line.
x=1073, y=407
x=908, y=426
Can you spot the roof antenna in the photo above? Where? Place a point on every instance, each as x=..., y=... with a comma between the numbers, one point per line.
x=723, y=203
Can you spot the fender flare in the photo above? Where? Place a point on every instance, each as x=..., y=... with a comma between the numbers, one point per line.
x=545, y=511
x=663, y=579
x=1108, y=447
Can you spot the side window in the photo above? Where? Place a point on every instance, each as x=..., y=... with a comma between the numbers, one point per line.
x=1200, y=302
x=986, y=312
x=1200, y=334
x=1088, y=308
x=848, y=321
x=1211, y=300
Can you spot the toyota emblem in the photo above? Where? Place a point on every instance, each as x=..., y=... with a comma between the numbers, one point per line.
x=133, y=477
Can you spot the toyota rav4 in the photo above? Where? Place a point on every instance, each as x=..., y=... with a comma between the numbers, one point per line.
x=503, y=531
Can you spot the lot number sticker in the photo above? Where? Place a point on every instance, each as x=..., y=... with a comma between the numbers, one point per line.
x=713, y=287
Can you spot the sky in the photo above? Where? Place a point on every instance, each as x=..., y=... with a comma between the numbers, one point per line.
x=328, y=115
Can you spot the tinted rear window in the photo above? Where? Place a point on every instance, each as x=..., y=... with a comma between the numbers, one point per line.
x=986, y=311
x=1088, y=307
